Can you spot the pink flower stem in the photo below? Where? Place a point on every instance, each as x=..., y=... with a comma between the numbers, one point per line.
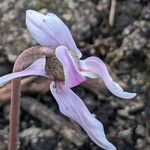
x=15, y=91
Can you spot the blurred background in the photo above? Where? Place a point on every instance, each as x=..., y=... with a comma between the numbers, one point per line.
x=123, y=44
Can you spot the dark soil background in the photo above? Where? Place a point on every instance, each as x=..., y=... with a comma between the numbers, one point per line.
x=125, y=48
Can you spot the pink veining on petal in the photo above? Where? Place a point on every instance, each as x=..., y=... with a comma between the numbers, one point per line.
x=98, y=69
x=49, y=30
x=37, y=68
x=73, y=76
x=72, y=106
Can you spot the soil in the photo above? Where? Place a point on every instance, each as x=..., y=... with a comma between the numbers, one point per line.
x=124, y=47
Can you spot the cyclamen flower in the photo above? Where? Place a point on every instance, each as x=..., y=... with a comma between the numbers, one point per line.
x=48, y=30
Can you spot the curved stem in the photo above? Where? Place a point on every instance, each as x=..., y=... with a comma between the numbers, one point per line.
x=15, y=91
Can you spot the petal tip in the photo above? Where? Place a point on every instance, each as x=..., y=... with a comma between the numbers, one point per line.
x=111, y=147
x=126, y=95
x=51, y=15
x=29, y=12
x=132, y=95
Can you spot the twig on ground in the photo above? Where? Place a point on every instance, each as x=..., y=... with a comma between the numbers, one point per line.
x=112, y=12
x=48, y=117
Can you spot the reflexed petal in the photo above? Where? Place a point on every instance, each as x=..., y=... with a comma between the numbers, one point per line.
x=73, y=76
x=49, y=30
x=37, y=68
x=93, y=66
x=72, y=106
x=34, y=24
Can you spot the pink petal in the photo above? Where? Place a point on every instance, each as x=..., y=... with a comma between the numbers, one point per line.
x=73, y=76
x=93, y=67
x=37, y=68
x=72, y=106
x=49, y=30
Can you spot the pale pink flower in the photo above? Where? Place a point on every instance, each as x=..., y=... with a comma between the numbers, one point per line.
x=49, y=30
